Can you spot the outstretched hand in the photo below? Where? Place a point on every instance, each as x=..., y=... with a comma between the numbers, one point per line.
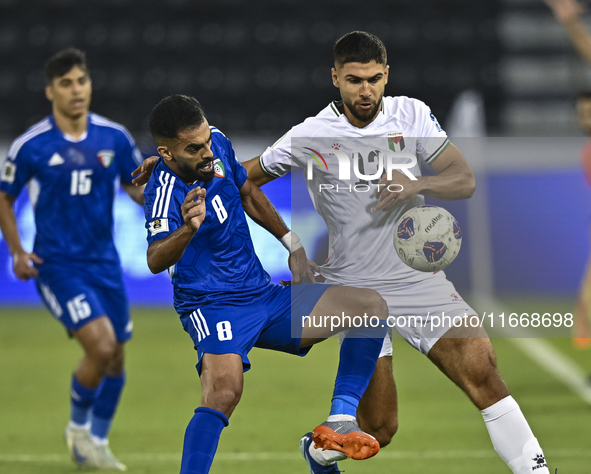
x=144, y=171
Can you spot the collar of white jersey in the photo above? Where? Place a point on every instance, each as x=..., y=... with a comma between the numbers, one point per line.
x=335, y=104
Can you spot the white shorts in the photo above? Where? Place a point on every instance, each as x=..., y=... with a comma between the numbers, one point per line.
x=421, y=312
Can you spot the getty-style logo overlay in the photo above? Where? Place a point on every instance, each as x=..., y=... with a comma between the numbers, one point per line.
x=354, y=165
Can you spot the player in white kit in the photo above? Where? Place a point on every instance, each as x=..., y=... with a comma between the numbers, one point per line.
x=361, y=216
x=361, y=224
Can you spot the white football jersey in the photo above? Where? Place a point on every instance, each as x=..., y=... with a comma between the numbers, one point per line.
x=361, y=246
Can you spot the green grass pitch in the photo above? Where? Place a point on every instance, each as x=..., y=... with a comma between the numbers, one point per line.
x=285, y=396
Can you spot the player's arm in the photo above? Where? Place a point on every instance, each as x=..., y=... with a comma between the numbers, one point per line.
x=135, y=192
x=143, y=172
x=256, y=173
x=164, y=253
x=568, y=12
x=454, y=180
x=260, y=210
x=20, y=257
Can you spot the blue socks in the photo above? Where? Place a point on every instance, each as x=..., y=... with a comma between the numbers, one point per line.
x=201, y=440
x=107, y=398
x=103, y=401
x=81, y=399
x=357, y=363
x=344, y=405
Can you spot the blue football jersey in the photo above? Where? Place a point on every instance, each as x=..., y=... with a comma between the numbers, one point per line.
x=72, y=185
x=219, y=263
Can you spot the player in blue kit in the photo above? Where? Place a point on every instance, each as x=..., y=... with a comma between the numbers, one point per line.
x=195, y=208
x=71, y=162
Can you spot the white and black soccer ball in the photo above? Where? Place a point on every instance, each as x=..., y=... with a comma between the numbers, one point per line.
x=427, y=238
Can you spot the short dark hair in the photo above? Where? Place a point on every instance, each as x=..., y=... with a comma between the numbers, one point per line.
x=359, y=47
x=62, y=62
x=584, y=95
x=173, y=114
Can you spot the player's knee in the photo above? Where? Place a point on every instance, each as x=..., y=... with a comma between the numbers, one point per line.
x=117, y=362
x=223, y=397
x=228, y=399
x=375, y=305
x=103, y=352
x=484, y=385
x=484, y=374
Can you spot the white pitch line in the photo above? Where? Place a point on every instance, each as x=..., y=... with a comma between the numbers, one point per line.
x=544, y=354
x=556, y=363
x=294, y=456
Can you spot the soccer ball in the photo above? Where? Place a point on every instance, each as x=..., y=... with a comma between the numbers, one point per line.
x=427, y=238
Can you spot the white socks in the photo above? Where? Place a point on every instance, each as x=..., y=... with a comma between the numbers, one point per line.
x=99, y=441
x=76, y=426
x=513, y=439
x=332, y=418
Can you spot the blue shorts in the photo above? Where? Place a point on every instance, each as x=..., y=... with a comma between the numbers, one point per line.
x=223, y=328
x=75, y=299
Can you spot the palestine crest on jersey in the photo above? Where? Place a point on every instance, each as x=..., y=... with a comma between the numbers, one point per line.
x=106, y=157
x=218, y=168
x=395, y=141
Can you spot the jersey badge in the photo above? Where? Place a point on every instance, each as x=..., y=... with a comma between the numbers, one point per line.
x=436, y=122
x=8, y=172
x=158, y=225
x=395, y=141
x=106, y=157
x=219, y=169
x=55, y=160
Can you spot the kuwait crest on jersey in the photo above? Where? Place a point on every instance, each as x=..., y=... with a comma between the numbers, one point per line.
x=218, y=168
x=106, y=157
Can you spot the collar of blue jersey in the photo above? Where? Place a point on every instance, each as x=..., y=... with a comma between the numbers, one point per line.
x=67, y=137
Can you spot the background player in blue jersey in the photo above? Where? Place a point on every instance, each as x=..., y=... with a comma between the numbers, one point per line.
x=71, y=161
x=195, y=210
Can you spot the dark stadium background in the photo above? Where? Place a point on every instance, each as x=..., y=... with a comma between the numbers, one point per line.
x=257, y=67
